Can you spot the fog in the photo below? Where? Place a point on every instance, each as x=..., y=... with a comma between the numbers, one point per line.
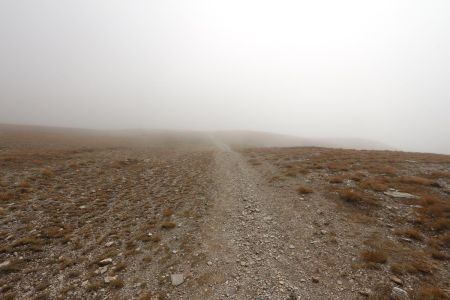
x=376, y=70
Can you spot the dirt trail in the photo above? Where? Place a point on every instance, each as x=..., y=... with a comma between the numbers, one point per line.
x=258, y=246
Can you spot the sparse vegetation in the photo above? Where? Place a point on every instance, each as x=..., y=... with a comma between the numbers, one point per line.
x=356, y=197
x=375, y=183
x=304, y=190
x=168, y=225
x=82, y=215
x=411, y=233
x=336, y=179
x=374, y=256
x=46, y=172
x=167, y=212
x=88, y=214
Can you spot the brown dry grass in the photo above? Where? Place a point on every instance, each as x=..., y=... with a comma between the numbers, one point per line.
x=46, y=172
x=416, y=180
x=355, y=197
x=168, y=225
x=304, y=190
x=411, y=233
x=374, y=256
x=336, y=179
x=376, y=184
x=431, y=293
x=167, y=212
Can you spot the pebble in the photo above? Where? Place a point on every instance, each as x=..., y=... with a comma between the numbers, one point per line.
x=106, y=261
x=101, y=270
x=108, y=279
x=365, y=292
x=5, y=263
x=399, y=294
x=396, y=280
x=177, y=279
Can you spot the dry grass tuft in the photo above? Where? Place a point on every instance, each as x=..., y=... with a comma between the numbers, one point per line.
x=355, y=197
x=374, y=256
x=46, y=172
x=357, y=176
x=376, y=184
x=431, y=293
x=416, y=180
x=440, y=224
x=116, y=283
x=24, y=184
x=336, y=179
x=168, y=225
x=403, y=268
x=167, y=212
x=411, y=233
x=6, y=196
x=439, y=255
x=12, y=267
x=304, y=190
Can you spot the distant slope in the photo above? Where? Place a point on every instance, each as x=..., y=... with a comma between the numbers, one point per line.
x=25, y=136
x=264, y=139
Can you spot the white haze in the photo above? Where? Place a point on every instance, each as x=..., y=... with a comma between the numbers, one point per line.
x=377, y=70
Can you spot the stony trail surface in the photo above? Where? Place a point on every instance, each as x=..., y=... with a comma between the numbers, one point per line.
x=258, y=247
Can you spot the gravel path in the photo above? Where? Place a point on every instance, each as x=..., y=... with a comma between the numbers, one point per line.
x=259, y=247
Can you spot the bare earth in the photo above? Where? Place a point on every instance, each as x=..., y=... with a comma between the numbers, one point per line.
x=205, y=221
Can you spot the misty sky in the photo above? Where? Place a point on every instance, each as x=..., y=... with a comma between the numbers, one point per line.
x=369, y=69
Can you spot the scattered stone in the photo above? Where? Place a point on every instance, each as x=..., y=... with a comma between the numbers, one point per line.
x=101, y=270
x=397, y=194
x=106, y=261
x=109, y=244
x=5, y=263
x=108, y=279
x=365, y=292
x=406, y=239
x=209, y=263
x=396, y=280
x=291, y=247
x=399, y=294
x=339, y=282
x=177, y=279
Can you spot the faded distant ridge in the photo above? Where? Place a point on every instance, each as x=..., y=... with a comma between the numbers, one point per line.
x=265, y=139
x=28, y=136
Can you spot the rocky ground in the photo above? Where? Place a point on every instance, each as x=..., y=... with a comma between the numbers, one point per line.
x=211, y=222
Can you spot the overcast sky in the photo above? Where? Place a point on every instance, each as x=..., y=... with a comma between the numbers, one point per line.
x=363, y=69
